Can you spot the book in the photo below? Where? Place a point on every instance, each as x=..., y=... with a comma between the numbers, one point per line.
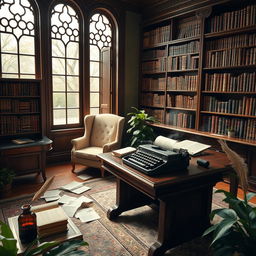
x=123, y=151
x=22, y=141
x=193, y=147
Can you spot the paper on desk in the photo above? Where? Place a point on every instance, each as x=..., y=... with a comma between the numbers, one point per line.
x=80, y=190
x=73, y=185
x=71, y=208
x=51, y=193
x=66, y=199
x=87, y=214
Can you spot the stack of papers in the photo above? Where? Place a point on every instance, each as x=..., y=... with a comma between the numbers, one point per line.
x=51, y=195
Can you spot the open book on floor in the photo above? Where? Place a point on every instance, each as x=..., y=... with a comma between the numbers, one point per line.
x=193, y=147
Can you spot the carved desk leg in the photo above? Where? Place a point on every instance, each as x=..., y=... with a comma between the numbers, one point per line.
x=125, y=195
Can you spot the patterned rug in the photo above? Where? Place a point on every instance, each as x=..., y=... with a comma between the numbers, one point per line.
x=132, y=233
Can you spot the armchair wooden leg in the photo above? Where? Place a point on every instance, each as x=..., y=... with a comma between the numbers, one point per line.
x=102, y=172
x=73, y=167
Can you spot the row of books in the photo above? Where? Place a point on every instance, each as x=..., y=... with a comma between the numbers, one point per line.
x=182, y=101
x=231, y=57
x=157, y=113
x=231, y=20
x=18, y=106
x=244, y=128
x=182, y=62
x=244, y=106
x=153, y=84
x=188, y=27
x=192, y=47
x=156, y=53
x=155, y=99
x=222, y=82
x=154, y=66
x=185, y=82
x=19, y=89
x=155, y=36
x=242, y=40
x=13, y=125
x=180, y=119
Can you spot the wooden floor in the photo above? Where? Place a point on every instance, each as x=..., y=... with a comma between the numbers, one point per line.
x=31, y=183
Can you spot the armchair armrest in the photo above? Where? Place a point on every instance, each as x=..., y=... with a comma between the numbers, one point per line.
x=111, y=146
x=80, y=142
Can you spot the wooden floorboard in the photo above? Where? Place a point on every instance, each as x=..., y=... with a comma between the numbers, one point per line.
x=29, y=184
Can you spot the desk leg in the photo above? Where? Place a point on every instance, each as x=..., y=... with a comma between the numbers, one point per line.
x=182, y=217
x=125, y=199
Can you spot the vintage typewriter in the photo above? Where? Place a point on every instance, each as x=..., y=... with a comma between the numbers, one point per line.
x=153, y=160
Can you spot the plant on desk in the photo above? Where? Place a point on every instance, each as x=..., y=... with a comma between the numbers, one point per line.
x=235, y=234
x=139, y=127
x=8, y=245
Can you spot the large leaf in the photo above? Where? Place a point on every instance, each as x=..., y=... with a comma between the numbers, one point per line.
x=210, y=229
x=222, y=228
x=228, y=214
x=40, y=248
x=66, y=248
x=224, y=251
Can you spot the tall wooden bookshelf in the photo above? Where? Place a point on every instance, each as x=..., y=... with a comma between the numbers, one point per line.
x=198, y=72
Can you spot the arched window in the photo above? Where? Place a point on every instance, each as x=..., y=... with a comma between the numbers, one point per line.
x=101, y=50
x=65, y=65
x=17, y=39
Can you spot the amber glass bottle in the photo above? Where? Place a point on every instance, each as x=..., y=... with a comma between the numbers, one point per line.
x=27, y=224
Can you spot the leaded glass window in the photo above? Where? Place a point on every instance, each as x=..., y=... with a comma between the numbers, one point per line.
x=100, y=41
x=65, y=65
x=17, y=39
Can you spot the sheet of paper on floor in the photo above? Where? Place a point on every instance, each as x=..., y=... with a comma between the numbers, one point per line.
x=52, y=198
x=51, y=193
x=84, y=176
x=80, y=190
x=87, y=214
x=71, y=186
x=65, y=199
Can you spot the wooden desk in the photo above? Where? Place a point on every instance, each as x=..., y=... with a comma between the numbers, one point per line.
x=25, y=158
x=184, y=197
x=72, y=233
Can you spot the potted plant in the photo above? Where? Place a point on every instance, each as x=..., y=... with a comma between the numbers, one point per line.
x=139, y=127
x=235, y=234
x=6, y=178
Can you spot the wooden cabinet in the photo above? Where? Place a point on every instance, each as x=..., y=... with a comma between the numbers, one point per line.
x=198, y=73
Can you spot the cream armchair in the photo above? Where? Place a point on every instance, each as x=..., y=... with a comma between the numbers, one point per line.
x=103, y=133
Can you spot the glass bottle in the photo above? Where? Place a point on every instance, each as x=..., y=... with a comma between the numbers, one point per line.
x=27, y=224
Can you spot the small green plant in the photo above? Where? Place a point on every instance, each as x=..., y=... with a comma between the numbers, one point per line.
x=139, y=127
x=6, y=177
x=236, y=232
x=8, y=246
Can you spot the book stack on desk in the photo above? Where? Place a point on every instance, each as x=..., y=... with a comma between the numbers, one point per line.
x=51, y=220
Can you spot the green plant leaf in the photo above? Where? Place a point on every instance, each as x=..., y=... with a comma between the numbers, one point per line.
x=209, y=230
x=222, y=228
x=228, y=214
x=225, y=250
x=214, y=212
x=40, y=248
x=7, y=239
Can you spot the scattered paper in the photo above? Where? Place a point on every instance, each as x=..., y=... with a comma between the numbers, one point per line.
x=70, y=210
x=87, y=214
x=73, y=185
x=84, y=176
x=66, y=199
x=52, y=198
x=51, y=193
x=80, y=190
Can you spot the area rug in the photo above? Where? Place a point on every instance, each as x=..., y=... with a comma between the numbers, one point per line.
x=132, y=233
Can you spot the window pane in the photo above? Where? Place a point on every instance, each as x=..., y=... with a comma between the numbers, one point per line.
x=28, y=76
x=27, y=45
x=73, y=100
x=58, y=48
x=58, y=66
x=94, y=111
x=73, y=50
x=8, y=43
x=94, y=100
x=9, y=63
x=27, y=64
x=72, y=67
x=10, y=76
x=72, y=84
x=59, y=100
x=59, y=116
x=94, y=69
x=73, y=116
x=58, y=83
x=94, y=53
x=94, y=84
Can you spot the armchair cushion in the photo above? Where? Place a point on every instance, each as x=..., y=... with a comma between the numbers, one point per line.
x=88, y=153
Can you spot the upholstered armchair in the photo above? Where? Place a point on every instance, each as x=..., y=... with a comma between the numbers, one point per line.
x=103, y=133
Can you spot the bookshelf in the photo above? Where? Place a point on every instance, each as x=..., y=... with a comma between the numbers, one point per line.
x=20, y=108
x=198, y=71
